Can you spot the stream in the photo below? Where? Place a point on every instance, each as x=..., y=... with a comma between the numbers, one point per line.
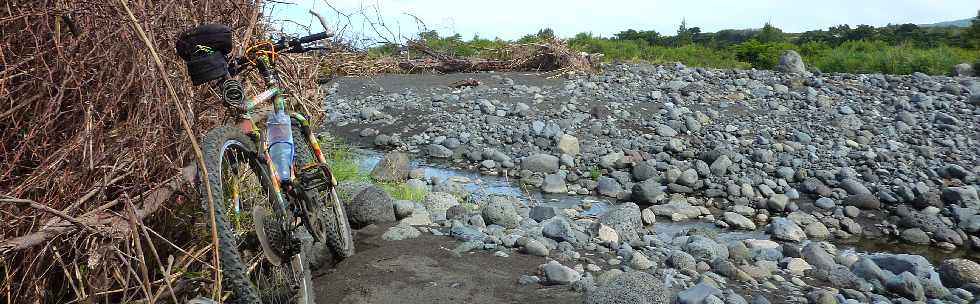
x=665, y=229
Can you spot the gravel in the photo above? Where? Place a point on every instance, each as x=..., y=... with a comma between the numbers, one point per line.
x=806, y=155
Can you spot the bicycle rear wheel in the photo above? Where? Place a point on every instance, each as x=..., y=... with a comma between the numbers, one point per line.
x=327, y=214
x=253, y=239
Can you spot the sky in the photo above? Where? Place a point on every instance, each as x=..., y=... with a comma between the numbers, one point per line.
x=512, y=19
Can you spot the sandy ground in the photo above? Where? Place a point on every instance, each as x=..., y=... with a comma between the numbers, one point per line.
x=423, y=270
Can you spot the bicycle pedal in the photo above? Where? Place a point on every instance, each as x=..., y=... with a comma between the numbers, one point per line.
x=314, y=177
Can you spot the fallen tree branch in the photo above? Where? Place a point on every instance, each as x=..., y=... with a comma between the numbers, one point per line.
x=97, y=218
x=39, y=206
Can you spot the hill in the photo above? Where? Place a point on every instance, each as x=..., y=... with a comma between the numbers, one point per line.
x=954, y=23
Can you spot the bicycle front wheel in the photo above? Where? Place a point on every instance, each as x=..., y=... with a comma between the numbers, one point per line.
x=253, y=239
x=328, y=217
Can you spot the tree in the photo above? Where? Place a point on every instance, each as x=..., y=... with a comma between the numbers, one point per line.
x=546, y=34
x=629, y=34
x=839, y=33
x=684, y=36
x=861, y=32
x=429, y=35
x=726, y=38
x=973, y=33
x=770, y=34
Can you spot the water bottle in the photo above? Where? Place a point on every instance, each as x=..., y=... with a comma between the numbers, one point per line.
x=280, y=142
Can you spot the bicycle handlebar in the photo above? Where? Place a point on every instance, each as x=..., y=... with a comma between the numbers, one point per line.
x=290, y=45
x=295, y=45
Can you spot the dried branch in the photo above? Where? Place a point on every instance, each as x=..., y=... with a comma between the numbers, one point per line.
x=45, y=208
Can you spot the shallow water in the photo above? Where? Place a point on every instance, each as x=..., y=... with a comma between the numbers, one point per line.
x=665, y=229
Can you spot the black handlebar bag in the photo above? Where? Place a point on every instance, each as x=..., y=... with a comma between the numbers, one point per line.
x=203, y=49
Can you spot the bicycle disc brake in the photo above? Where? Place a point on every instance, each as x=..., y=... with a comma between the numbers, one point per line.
x=277, y=241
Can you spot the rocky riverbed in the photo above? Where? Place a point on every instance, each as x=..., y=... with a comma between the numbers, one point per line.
x=798, y=162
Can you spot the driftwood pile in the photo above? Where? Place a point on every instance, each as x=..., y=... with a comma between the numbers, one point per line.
x=96, y=121
x=551, y=55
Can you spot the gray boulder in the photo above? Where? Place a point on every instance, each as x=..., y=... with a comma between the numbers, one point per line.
x=863, y=201
x=791, y=62
x=697, y=294
x=438, y=202
x=438, y=151
x=853, y=186
x=625, y=219
x=533, y=247
x=644, y=171
x=965, y=196
x=559, y=229
x=647, y=192
x=541, y=213
x=738, y=221
x=787, y=230
x=634, y=287
x=541, y=163
x=720, y=166
x=705, y=249
x=959, y=272
x=346, y=190
x=554, y=183
x=963, y=70
x=568, y=144
x=399, y=232
x=907, y=286
x=371, y=206
x=403, y=208
x=558, y=274
x=465, y=233
x=899, y=263
x=503, y=213
x=609, y=187
x=393, y=167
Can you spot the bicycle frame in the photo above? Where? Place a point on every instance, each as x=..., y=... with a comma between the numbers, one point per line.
x=248, y=125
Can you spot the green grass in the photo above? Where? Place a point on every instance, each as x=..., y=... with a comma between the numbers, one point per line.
x=343, y=163
x=400, y=191
x=345, y=166
x=877, y=57
x=641, y=51
x=849, y=57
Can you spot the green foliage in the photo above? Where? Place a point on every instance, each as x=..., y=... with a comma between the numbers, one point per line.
x=343, y=163
x=878, y=57
x=640, y=50
x=972, y=34
x=760, y=55
x=345, y=167
x=595, y=173
x=770, y=34
x=545, y=34
x=894, y=34
x=894, y=49
x=399, y=191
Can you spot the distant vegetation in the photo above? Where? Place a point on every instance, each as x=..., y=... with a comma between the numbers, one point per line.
x=892, y=49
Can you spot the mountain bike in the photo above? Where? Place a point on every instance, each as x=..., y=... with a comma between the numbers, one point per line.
x=265, y=194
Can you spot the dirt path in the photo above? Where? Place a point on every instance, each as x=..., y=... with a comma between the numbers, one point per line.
x=422, y=270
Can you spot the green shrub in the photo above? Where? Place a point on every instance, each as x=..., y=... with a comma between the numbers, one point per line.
x=641, y=50
x=851, y=56
x=760, y=55
x=878, y=57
